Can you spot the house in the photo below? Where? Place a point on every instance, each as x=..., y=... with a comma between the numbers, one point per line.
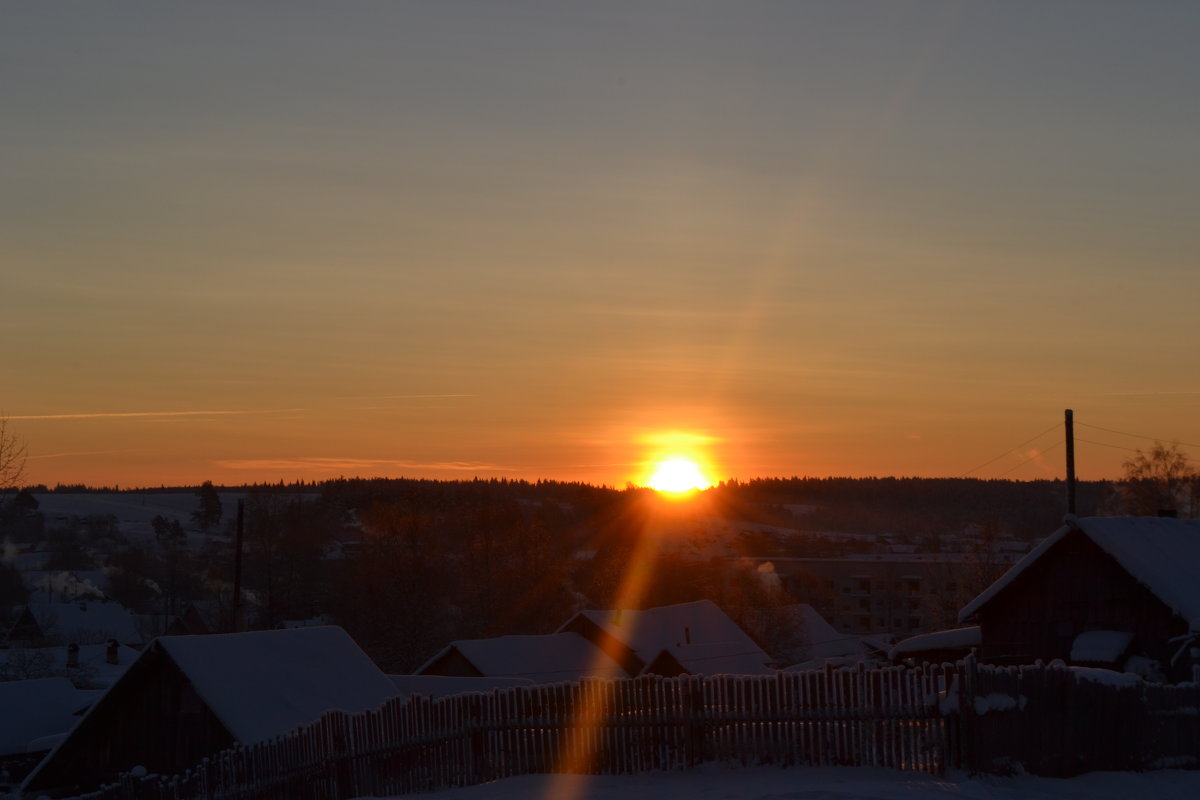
x=86, y=623
x=698, y=637
x=1122, y=592
x=546, y=658
x=87, y=666
x=187, y=697
x=710, y=658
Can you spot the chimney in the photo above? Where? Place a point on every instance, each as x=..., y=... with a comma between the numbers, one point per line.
x=687, y=635
x=110, y=653
x=72, y=655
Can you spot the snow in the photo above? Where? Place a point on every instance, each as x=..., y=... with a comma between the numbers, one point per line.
x=998, y=702
x=717, y=658
x=134, y=510
x=1100, y=646
x=545, y=658
x=828, y=783
x=651, y=631
x=1107, y=677
x=265, y=683
x=37, y=708
x=1162, y=553
x=93, y=672
x=820, y=639
x=953, y=639
x=436, y=686
x=86, y=622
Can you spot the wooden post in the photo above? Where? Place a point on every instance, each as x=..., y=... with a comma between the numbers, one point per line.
x=237, y=569
x=1070, y=426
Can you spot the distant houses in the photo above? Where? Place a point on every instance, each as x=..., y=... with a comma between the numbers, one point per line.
x=549, y=658
x=85, y=622
x=693, y=638
x=690, y=638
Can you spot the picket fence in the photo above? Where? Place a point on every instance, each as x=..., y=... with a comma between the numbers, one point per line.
x=1048, y=720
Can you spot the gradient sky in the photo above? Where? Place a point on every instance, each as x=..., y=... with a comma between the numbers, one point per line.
x=280, y=240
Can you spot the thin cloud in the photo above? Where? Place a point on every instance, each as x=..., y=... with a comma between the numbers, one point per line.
x=80, y=453
x=348, y=464
x=139, y=414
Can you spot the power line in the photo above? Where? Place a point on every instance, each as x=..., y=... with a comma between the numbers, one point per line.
x=1105, y=444
x=1133, y=435
x=1033, y=457
x=1009, y=451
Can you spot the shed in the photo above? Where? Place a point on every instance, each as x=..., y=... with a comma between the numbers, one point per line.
x=187, y=697
x=1138, y=576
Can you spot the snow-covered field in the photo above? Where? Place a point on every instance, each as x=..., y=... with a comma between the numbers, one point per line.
x=828, y=783
x=133, y=510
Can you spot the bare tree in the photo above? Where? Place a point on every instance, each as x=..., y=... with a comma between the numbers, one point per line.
x=12, y=457
x=1161, y=480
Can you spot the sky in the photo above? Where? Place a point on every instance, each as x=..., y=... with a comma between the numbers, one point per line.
x=273, y=241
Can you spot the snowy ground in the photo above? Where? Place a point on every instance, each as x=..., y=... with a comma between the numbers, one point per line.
x=828, y=783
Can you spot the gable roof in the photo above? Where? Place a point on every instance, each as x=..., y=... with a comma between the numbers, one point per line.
x=265, y=683
x=712, y=658
x=653, y=630
x=546, y=658
x=1161, y=553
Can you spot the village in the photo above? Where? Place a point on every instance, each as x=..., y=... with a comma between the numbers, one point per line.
x=1071, y=651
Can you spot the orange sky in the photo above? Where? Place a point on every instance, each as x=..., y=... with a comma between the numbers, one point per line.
x=445, y=240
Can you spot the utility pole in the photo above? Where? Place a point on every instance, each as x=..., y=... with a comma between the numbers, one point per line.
x=1070, y=424
x=237, y=569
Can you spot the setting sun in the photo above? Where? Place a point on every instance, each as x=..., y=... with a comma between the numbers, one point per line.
x=678, y=475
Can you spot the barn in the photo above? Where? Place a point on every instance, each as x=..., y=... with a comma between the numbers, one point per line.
x=1122, y=592
x=186, y=697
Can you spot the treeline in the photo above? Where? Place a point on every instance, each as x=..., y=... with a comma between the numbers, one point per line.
x=915, y=507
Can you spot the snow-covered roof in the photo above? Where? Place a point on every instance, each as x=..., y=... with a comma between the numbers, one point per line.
x=93, y=672
x=953, y=639
x=717, y=658
x=1162, y=553
x=653, y=630
x=444, y=685
x=37, y=708
x=85, y=622
x=818, y=638
x=265, y=683
x=546, y=658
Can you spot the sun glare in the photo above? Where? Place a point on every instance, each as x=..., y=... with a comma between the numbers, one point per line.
x=678, y=475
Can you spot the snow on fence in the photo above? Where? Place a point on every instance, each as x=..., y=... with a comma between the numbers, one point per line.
x=1048, y=720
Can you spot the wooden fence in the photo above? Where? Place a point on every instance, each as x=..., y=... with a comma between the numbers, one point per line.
x=1050, y=720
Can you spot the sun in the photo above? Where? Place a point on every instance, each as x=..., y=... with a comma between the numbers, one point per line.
x=678, y=474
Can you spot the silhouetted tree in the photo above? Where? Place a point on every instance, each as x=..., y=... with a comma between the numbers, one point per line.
x=1162, y=480
x=12, y=457
x=209, y=512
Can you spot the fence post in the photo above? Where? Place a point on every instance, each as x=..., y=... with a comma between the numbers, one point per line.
x=967, y=685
